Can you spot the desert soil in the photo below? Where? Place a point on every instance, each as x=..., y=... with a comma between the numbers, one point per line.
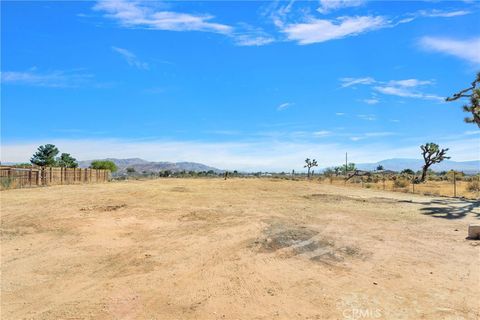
x=236, y=249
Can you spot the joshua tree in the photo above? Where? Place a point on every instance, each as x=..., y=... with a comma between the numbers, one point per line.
x=380, y=168
x=309, y=165
x=432, y=154
x=473, y=93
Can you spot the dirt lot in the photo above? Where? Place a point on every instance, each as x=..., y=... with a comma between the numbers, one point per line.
x=236, y=249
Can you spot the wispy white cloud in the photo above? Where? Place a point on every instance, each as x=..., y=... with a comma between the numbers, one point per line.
x=466, y=49
x=322, y=133
x=371, y=135
x=304, y=27
x=224, y=132
x=131, y=58
x=442, y=14
x=409, y=83
x=52, y=79
x=248, y=35
x=348, y=82
x=143, y=15
x=253, y=40
x=472, y=132
x=151, y=15
x=367, y=117
x=339, y=114
x=327, y=6
x=320, y=30
x=284, y=106
x=405, y=92
x=407, y=88
x=371, y=101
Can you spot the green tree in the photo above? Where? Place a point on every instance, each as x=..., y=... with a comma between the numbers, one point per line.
x=408, y=172
x=23, y=165
x=45, y=156
x=349, y=167
x=309, y=164
x=67, y=161
x=432, y=154
x=130, y=170
x=104, y=165
x=165, y=173
x=473, y=94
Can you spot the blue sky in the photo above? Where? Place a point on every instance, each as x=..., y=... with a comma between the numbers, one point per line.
x=237, y=85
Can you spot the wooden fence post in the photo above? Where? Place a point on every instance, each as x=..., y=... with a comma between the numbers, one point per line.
x=9, y=176
x=30, y=177
x=454, y=184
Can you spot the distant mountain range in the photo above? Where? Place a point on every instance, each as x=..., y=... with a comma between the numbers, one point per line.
x=398, y=164
x=416, y=164
x=141, y=165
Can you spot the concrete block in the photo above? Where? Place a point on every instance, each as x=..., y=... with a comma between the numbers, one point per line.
x=474, y=231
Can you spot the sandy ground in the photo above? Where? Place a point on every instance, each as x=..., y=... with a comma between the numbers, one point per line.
x=235, y=249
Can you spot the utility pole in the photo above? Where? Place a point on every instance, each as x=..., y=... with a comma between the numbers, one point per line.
x=346, y=163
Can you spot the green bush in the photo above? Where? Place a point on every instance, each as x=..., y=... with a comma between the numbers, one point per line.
x=6, y=182
x=104, y=165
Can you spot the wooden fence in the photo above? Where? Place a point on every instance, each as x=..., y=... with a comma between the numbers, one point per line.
x=12, y=177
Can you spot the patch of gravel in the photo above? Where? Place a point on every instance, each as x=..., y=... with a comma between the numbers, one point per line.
x=287, y=241
x=104, y=208
x=336, y=198
x=179, y=189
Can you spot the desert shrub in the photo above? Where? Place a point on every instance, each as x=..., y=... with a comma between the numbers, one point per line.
x=6, y=182
x=473, y=186
x=400, y=183
x=368, y=186
x=449, y=175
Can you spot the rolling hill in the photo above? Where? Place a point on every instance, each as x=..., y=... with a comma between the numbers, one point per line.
x=141, y=165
